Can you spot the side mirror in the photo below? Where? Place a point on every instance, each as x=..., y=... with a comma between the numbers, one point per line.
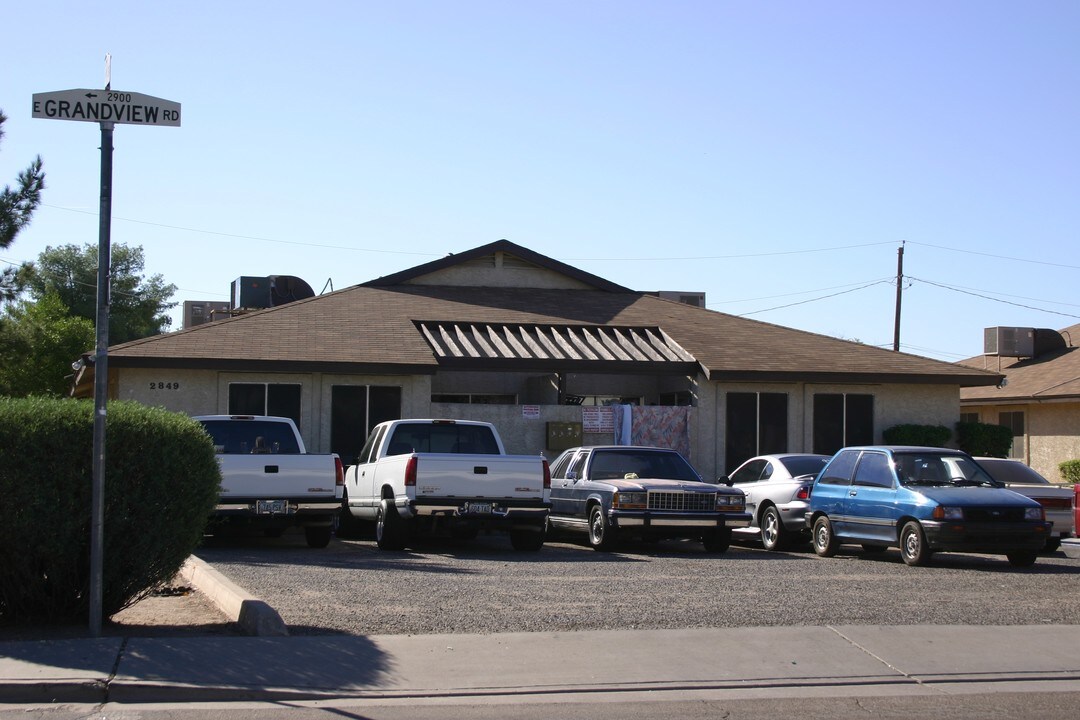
x=724, y=480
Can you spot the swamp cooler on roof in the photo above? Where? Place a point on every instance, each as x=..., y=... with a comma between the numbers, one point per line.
x=253, y=293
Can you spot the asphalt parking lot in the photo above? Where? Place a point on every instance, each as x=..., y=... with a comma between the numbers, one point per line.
x=483, y=586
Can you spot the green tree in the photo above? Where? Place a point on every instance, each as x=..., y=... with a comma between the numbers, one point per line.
x=137, y=306
x=38, y=342
x=16, y=207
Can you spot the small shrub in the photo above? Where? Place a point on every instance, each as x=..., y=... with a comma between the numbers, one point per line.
x=925, y=435
x=161, y=484
x=984, y=439
x=1070, y=471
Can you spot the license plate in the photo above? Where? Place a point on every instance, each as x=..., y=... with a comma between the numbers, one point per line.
x=271, y=507
x=475, y=507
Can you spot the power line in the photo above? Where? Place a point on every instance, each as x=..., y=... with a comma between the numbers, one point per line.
x=731, y=257
x=997, y=257
x=987, y=297
x=244, y=237
x=823, y=297
x=800, y=292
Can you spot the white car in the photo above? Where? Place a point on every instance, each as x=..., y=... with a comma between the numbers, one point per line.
x=1056, y=500
x=777, y=488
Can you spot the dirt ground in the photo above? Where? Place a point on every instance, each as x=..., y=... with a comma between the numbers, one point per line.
x=175, y=610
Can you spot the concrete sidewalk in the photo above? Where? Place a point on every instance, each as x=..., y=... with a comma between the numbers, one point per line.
x=747, y=662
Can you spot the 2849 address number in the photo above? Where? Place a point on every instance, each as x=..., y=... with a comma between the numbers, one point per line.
x=164, y=386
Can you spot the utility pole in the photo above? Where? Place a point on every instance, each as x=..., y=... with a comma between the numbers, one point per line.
x=899, y=296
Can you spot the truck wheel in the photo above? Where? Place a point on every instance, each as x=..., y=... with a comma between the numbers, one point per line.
x=317, y=536
x=717, y=541
x=348, y=524
x=389, y=528
x=601, y=535
x=527, y=539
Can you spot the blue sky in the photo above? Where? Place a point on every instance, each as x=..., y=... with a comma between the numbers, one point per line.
x=773, y=155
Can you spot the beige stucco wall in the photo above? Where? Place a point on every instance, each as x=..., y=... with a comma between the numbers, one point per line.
x=1052, y=433
x=196, y=392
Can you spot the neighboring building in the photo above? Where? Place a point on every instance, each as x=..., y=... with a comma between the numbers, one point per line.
x=542, y=349
x=1040, y=397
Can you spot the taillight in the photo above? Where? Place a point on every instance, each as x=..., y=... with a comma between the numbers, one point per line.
x=339, y=472
x=410, y=472
x=803, y=493
x=547, y=475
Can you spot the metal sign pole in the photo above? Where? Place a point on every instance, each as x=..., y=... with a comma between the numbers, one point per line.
x=101, y=383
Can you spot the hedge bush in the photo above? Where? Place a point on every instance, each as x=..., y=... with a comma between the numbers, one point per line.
x=1070, y=471
x=984, y=439
x=925, y=435
x=161, y=484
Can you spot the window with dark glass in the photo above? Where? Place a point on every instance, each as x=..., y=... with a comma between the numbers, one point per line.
x=354, y=410
x=874, y=471
x=280, y=399
x=756, y=425
x=842, y=419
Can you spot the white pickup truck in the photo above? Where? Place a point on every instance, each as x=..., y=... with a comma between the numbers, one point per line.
x=430, y=476
x=269, y=480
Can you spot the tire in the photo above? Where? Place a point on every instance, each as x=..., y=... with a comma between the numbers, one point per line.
x=874, y=549
x=913, y=547
x=1025, y=558
x=825, y=542
x=318, y=536
x=774, y=536
x=601, y=535
x=527, y=539
x=389, y=527
x=717, y=541
x=348, y=524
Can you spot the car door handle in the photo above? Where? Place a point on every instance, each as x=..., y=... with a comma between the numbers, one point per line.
x=853, y=493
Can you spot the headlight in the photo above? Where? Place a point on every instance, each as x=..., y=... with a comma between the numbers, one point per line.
x=730, y=501
x=1034, y=514
x=946, y=512
x=630, y=500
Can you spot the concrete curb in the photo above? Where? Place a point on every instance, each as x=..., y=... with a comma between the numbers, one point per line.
x=253, y=615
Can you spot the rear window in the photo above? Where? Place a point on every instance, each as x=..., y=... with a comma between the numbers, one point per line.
x=614, y=464
x=805, y=466
x=443, y=438
x=1011, y=471
x=232, y=437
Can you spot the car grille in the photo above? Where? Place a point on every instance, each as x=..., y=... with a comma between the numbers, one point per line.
x=994, y=514
x=682, y=501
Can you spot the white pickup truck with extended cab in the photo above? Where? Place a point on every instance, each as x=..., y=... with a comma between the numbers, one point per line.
x=418, y=477
x=268, y=479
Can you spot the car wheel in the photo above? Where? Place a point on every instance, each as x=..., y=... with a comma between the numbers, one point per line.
x=913, y=548
x=717, y=541
x=1022, y=559
x=1052, y=545
x=774, y=536
x=601, y=534
x=389, y=530
x=527, y=539
x=317, y=536
x=825, y=542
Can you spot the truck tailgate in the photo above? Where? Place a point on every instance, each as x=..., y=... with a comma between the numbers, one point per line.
x=277, y=476
x=479, y=476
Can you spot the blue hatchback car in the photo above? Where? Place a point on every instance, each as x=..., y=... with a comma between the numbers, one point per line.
x=922, y=500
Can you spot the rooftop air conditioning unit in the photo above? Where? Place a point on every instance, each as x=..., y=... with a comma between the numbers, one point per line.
x=1009, y=341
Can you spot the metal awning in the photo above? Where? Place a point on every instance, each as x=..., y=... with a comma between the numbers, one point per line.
x=477, y=345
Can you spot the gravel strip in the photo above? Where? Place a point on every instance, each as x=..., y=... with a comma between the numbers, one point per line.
x=484, y=586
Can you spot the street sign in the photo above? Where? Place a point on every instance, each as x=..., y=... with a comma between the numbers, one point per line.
x=106, y=106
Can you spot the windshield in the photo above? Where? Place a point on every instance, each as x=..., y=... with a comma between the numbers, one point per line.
x=940, y=469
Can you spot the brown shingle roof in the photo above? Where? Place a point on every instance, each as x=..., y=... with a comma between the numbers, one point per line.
x=373, y=329
x=1051, y=375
